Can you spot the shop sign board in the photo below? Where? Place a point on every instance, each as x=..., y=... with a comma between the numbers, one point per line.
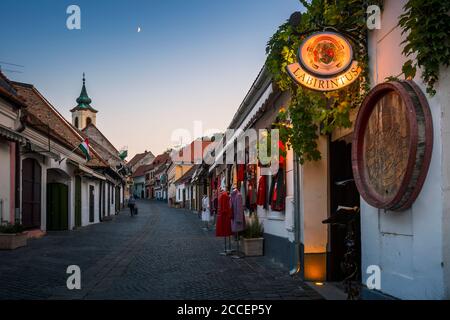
x=325, y=63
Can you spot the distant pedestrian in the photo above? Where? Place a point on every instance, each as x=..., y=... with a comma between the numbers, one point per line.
x=132, y=205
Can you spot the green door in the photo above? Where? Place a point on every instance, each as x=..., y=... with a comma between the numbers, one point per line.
x=77, y=201
x=91, y=204
x=57, y=207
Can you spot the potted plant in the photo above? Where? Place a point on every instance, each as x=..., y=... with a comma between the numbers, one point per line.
x=12, y=236
x=253, y=241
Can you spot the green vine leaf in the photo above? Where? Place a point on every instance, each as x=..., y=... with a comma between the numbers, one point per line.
x=426, y=24
x=311, y=113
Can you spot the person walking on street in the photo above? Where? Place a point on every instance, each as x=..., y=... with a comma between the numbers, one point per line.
x=132, y=205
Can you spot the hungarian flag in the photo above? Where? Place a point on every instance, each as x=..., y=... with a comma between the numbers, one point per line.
x=84, y=146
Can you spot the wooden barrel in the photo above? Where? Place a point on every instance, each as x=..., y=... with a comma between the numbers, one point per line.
x=392, y=147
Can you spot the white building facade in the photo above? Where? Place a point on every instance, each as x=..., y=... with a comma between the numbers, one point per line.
x=412, y=248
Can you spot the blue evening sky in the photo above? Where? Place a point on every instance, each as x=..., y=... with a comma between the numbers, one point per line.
x=192, y=60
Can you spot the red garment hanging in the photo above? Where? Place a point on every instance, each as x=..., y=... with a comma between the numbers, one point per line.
x=223, y=226
x=241, y=172
x=278, y=191
x=252, y=196
x=262, y=186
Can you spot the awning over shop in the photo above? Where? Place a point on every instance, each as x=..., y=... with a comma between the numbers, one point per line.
x=87, y=171
x=245, y=123
x=11, y=135
x=32, y=147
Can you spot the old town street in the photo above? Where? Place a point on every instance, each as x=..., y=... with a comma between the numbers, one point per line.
x=162, y=253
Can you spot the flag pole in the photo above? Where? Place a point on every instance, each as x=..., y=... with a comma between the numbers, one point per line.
x=71, y=152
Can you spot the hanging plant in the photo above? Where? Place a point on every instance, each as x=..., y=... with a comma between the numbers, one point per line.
x=426, y=23
x=312, y=113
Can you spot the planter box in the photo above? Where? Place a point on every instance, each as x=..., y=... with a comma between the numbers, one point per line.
x=12, y=241
x=253, y=247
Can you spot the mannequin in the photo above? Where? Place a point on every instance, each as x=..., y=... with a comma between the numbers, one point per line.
x=223, y=224
x=238, y=219
x=237, y=210
x=206, y=212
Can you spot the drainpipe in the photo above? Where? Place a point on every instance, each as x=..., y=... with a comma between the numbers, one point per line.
x=297, y=270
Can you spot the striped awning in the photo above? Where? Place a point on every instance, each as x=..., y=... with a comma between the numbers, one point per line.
x=11, y=135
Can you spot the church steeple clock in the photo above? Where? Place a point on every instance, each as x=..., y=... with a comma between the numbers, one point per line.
x=83, y=114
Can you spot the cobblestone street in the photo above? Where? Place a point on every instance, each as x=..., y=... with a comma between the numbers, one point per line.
x=162, y=253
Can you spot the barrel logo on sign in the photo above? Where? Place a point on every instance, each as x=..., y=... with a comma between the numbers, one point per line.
x=325, y=63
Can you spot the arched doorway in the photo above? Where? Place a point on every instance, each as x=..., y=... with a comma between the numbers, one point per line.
x=31, y=193
x=57, y=200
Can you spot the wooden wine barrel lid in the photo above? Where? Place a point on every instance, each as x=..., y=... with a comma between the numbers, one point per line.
x=392, y=147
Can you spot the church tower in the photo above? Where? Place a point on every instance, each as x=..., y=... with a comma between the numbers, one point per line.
x=83, y=114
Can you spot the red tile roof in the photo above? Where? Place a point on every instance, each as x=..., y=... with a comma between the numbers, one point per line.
x=161, y=159
x=140, y=172
x=137, y=158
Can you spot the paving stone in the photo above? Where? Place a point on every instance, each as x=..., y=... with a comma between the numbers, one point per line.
x=162, y=253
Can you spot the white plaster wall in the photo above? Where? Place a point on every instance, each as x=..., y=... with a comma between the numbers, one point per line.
x=84, y=202
x=85, y=184
x=444, y=101
x=112, y=200
x=5, y=181
x=122, y=200
x=8, y=119
x=314, y=201
x=179, y=192
x=408, y=246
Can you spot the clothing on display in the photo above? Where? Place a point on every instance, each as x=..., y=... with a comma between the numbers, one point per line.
x=223, y=183
x=262, y=190
x=241, y=172
x=238, y=220
x=278, y=191
x=252, y=197
x=234, y=178
x=243, y=193
x=206, y=214
x=223, y=226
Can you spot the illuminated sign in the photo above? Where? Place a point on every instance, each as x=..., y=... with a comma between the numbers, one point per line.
x=325, y=63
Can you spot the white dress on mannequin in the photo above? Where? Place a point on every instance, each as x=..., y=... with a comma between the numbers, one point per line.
x=206, y=215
